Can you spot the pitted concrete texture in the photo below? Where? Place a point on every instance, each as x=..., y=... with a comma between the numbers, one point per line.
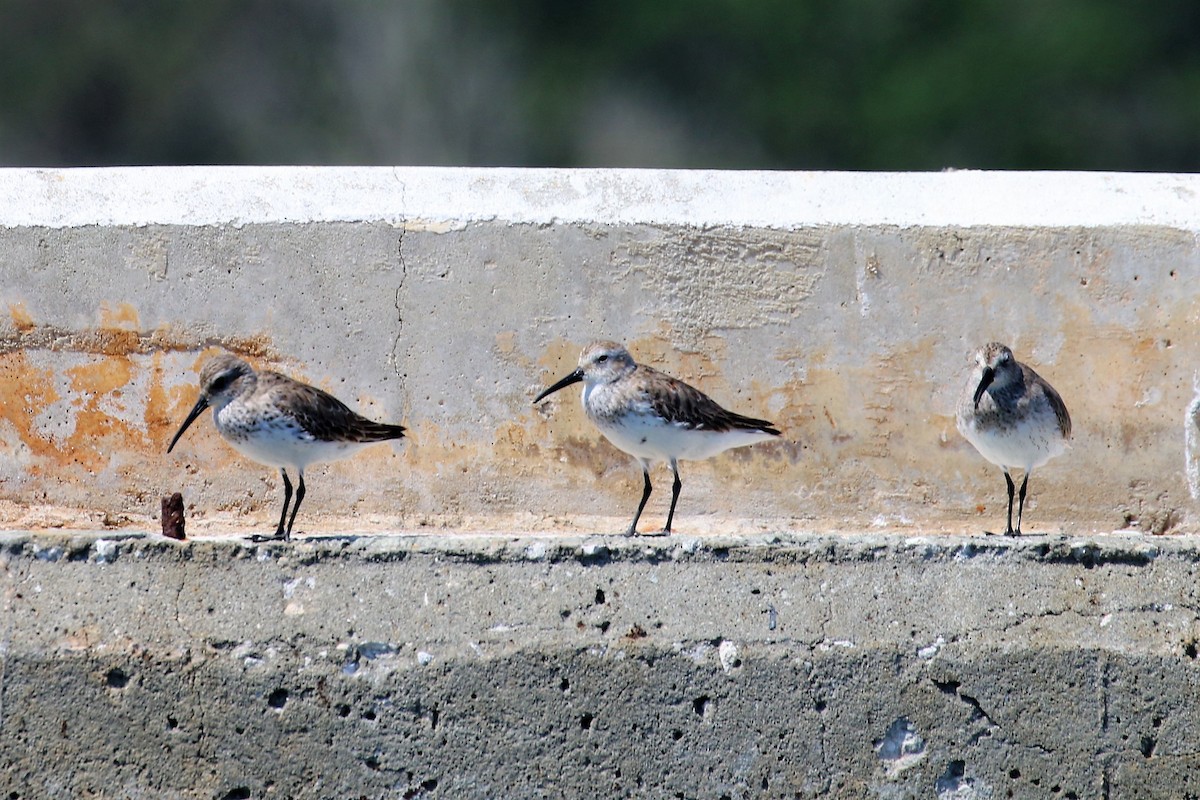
x=843, y=307
x=780, y=666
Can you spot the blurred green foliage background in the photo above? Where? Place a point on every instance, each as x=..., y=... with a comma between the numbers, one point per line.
x=780, y=84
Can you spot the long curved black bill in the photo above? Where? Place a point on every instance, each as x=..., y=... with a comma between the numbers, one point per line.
x=574, y=377
x=197, y=410
x=989, y=375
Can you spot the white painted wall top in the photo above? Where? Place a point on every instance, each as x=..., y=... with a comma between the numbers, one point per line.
x=64, y=198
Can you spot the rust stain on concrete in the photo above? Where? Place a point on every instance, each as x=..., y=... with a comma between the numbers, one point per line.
x=163, y=404
x=516, y=444
x=122, y=316
x=97, y=390
x=98, y=433
x=26, y=390
x=506, y=342
x=117, y=400
x=118, y=332
x=20, y=317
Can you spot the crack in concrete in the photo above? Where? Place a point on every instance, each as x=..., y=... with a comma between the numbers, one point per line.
x=1048, y=613
x=1097, y=616
x=1037, y=748
x=822, y=728
x=1103, y=667
x=978, y=712
x=178, y=594
x=1106, y=757
x=826, y=618
x=394, y=354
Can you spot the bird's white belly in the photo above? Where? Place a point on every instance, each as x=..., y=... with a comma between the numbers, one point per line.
x=650, y=437
x=278, y=443
x=1024, y=446
x=282, y=451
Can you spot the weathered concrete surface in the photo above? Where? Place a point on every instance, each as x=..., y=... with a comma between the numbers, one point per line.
x=779, y=666
x=844, y=307
x=761, y=658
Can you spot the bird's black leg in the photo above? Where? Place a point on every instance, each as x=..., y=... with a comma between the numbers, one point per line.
x=1021, y=506
x=281, y=532
x=675, y=487
x=645, y=496
x=1011, y=488
x=287, y=537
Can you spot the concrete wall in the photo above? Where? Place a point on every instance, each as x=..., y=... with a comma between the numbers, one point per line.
x=711, y=667
x=843, y=307
x=501, y=647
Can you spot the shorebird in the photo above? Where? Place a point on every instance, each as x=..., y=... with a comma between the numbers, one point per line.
x=1013, y=417
x=652, y=416
x=280, y=422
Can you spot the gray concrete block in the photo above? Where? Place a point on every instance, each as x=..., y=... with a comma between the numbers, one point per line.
x=548, y=666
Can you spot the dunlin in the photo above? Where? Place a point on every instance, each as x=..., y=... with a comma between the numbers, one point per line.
x=280, y=422
x=652, y=416
x=1013, y=417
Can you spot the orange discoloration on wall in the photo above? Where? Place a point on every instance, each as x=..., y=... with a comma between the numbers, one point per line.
x=517, y=444
x=95, y=435
x=22, y=321
x=694, y=365
x=26, y=391
x=109, y=426
x=161, y=405
x=506, y=342
x=123, y=317
x=98, y=434
x=558, y=358
x=100, y=377
x=117, y=334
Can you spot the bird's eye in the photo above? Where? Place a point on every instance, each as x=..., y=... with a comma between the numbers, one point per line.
x=602, y=358
x=222, y=382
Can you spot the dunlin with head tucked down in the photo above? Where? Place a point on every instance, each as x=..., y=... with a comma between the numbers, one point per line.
x=652, y=416
x=1013, y=417
x=280, y=422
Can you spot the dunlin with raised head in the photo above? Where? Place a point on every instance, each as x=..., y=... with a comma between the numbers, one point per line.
x=652, y=416
x=1013, y=417
x=280, y=422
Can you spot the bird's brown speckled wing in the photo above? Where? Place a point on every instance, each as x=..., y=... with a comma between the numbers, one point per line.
x=677, y=402
x=1052, y=397
x=322, y=415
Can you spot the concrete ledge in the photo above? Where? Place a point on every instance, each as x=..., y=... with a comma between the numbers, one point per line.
x=454, y=196
x=736, y=666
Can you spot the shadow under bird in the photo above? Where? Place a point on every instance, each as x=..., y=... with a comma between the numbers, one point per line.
x=1013, y=417
x=280, y=422
x=652, y=416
